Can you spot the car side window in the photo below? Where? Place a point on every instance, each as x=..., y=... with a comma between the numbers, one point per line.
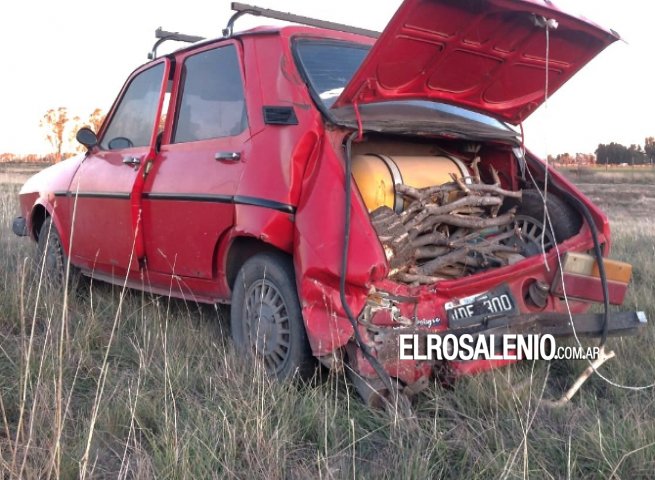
x=134, y=118
x=212, y=104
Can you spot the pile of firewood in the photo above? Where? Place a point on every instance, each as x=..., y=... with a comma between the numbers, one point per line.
x=448, y=231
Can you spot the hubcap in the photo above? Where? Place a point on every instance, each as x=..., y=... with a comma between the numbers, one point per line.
x=531, y=230
x=267, y=324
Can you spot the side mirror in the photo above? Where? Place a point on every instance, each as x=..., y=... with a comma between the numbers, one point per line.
x=87, y=137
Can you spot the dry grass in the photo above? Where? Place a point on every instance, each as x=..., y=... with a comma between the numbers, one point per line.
x=640, y=175
x=165, y=397
x=17, y=173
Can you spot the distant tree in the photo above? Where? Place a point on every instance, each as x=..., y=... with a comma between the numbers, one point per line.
x=616, y=154
x=601, y=154
x=94, y=122
x=77, y=124
x=32, y=157
x=584, y=159
x=637, y=155
x=54, y=122
x=96, y=119
x=564, y=159
x=649, y=149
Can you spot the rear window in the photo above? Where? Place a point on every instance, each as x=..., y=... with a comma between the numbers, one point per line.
x=329, y=65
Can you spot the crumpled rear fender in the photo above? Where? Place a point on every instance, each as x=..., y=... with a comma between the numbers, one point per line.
x=318, y=247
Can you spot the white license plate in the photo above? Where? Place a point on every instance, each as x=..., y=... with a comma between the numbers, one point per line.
x=496, y=302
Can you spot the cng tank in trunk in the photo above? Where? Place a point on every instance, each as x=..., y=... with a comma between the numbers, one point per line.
x=376, y=175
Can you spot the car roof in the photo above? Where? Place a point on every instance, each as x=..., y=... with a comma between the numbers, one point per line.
x=286, y=32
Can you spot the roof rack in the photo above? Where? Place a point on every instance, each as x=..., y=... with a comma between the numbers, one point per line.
x=163, y=36
x=242, y=9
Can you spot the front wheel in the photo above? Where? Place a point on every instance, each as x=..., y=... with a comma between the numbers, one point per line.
x=266, y=318
x=51, y=259
x=50, y=254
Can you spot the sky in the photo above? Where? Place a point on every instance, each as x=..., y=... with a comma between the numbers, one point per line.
x=78, y=54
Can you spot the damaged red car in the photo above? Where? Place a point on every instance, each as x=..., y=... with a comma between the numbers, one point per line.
x=340, y=187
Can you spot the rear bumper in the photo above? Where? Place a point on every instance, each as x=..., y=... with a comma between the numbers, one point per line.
x=536, y=300
x=19, y=227
x=555, y=324
x=389, y=349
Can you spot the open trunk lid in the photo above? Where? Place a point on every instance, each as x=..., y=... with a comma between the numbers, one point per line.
x=485, y=55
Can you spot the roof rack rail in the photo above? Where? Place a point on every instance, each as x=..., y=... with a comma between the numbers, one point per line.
x=243, y=9
x=163, y=36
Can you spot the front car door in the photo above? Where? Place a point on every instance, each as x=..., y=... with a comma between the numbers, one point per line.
x=106, y=190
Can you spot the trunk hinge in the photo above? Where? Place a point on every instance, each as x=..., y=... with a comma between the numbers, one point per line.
x=360, y=129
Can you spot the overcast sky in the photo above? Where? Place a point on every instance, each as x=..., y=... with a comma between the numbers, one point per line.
x=78, y=54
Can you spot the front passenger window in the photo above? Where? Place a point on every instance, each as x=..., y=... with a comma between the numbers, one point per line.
x=134, y=119
x=212, y=103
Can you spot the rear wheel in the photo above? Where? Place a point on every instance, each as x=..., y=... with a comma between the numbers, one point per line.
x=266, y=318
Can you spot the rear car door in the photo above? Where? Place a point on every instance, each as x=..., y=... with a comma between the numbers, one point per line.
x=106, y=190
x=189, y=197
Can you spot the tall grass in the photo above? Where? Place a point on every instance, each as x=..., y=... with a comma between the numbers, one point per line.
x=178, y=403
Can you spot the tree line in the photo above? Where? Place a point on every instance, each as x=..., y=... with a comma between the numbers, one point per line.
x=60, y=129
x=610, y=154
x=617, y=154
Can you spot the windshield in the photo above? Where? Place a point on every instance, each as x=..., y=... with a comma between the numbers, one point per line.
x=329, y=65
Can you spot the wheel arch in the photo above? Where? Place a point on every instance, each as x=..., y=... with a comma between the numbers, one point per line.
x=37, y=217
x=241, y=249
x=41, y=211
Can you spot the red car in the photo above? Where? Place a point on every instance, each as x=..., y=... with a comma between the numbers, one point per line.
x=218, y=176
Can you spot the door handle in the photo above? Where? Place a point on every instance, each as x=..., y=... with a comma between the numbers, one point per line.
x=227, y=156
x=132, y=161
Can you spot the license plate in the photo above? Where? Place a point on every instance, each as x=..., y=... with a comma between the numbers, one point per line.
x=495, y=302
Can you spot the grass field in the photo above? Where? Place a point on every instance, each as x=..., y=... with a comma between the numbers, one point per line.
x=114, y=384
x=614, y=175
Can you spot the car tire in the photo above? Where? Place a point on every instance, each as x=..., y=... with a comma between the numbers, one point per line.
x=566, y=221
x=266, y=318
x=52, y=258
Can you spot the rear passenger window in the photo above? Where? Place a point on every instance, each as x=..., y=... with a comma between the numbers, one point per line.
x=212, y=104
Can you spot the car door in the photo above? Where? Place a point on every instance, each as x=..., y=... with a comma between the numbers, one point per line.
x=106, y=190
x=189, y=197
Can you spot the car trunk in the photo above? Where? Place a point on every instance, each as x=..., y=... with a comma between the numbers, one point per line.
x=445, y=210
